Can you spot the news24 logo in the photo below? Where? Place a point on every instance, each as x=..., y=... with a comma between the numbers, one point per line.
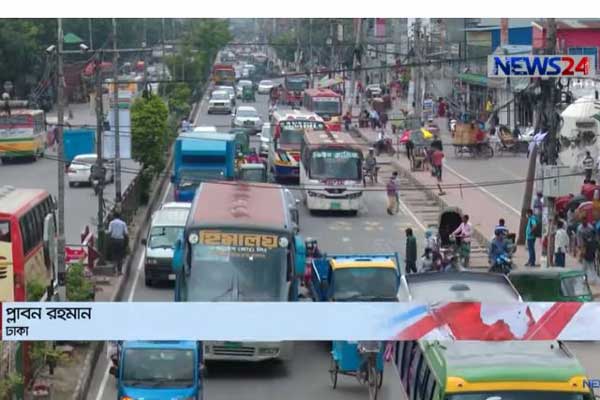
x=541, y=66
x=591, y=383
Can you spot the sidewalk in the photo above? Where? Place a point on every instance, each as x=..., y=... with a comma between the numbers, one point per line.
x=484, y=212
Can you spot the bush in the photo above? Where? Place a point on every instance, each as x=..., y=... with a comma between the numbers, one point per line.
x=35, y=290
x=8, y=384
x=79, y=287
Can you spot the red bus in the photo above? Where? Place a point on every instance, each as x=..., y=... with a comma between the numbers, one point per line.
x=327, y=104
x=26, y=234
x=294, y=89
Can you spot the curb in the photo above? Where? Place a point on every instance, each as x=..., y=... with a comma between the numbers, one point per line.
x=85, y=379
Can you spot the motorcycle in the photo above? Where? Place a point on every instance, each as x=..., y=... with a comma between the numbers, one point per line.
x=312, y=252
x=370, y=173
x=384, y=145
x=502, y=264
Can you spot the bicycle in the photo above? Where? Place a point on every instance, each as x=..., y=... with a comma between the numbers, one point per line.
x=369, y=373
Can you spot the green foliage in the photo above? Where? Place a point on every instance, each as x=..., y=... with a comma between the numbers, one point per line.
x=43, y=353
x=8, y=384
x=79, y=287
x=149, y=132
x=179, y=95
x=35, y=290
x=284, y=45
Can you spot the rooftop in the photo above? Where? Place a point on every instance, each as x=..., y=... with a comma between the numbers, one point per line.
x=565, y=24
x=12, y=200
x=550, y=272
x=170, y=216
x=159, y=344
x=240, y=205
x=319, y=137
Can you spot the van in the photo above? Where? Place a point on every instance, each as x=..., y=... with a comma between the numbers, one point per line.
x=166, y=226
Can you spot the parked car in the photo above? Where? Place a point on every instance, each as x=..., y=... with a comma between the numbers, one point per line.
x=265, y=139
x=230, y=90
x=176, y=204
x=240, y=87
x=373, y=90
x=80, y=170
x=247, y=117
x=264, y=87
x=220, y=101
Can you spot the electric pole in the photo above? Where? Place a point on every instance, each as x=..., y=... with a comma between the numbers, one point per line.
x=144, y=44
x=91, y=34
x=61, y=268
x=163, y=54
x=99, y=173
x=417, y=75
x=355, y=64
x=116, y=116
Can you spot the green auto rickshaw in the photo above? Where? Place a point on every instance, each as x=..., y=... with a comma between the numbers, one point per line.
x=252, y=173
x=242, y=140
x=248, y=93
x=552, y=284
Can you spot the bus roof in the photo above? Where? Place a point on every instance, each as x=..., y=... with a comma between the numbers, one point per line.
x=207, y=135
x=320, y=138
x=457, y=286
x=513, y=365
x=321, y=93
x=20, y=111
x=279, y=115
x=15, y=201
x=166, y=344
x=203, y=145
x=239, y=204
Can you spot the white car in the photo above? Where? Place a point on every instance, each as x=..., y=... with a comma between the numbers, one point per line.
x=220, y=101
x=265, y=139
x=80, y=170
x=247, y=117
x=374, y=90
x=230, y=90
x=177, y=204
x=264, y=87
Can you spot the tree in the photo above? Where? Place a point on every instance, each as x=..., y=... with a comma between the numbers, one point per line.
x=149, y=132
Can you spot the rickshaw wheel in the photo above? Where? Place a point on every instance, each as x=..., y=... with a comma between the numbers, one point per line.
x=333, y=372
x=380, y=379
x=373, y=383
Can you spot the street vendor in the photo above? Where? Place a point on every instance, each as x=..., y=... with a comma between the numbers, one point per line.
x=253, y=157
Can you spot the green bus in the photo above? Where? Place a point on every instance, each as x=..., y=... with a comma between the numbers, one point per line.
x=544, y=370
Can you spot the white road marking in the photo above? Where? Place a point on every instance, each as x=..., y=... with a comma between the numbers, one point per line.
x=136, y=279
x=166, y=194
x=103, y=383
x=493, y=196
x=410, y=213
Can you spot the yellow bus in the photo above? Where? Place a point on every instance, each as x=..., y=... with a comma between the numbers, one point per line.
x=23, y=134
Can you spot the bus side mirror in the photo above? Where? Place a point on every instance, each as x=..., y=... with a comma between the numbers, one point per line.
x=178, y=256
x=50, y=248
x=300, y=255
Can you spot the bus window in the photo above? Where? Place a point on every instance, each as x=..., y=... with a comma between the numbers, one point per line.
x=408, y=349
x=5, y=231
x=413, y=370
x=25, y=234
x=430, y=385
x=422, y=376
x=398, y=352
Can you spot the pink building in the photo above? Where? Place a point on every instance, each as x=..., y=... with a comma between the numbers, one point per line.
x=574, y=36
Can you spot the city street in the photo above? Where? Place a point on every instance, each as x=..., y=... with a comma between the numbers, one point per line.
x=306, y=376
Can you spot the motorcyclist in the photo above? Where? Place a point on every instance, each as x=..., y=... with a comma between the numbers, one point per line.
x=498, y=247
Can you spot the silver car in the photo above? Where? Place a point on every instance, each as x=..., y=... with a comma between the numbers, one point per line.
x=230, y=90
x=247, y=117
x=220, y=102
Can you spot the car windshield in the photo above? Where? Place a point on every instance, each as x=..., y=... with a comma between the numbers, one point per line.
x=247, y=113
x=164, y=236
x=335, y=164
x=575, y=286
x=220, y=95
x=365, y=283
x=327, y=106
x=192, y=178
x=291, y=136
x=266, y=83
x=520, y=395
x=238, y=266
x=158, y=368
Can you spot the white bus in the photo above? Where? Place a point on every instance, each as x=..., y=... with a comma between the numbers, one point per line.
x=331, y=171
x=22, y=134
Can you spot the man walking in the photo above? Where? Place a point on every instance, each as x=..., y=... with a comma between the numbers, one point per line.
x=436, y=162
x=588, y=166
x=464, y=232
x=530, y=236
x=392, y=194
x=588, y=236
x=561, y=244
x=411, y=251
x=118, y=234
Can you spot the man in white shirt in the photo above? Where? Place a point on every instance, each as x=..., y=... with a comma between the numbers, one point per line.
x=464, y=233
x=561, y=244
x=118, y=234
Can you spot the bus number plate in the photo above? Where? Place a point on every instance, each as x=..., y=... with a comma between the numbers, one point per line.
x=336, y=206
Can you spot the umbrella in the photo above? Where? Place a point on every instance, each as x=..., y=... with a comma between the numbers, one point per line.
x=426, y=134
x=71, y=38
x=405, y=136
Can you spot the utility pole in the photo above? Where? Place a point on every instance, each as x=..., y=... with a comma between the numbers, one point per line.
x=99, y=162
x=310, y=52
x=61, y=268
x=418, y=75
x=163, y=53
x=144, y=44
x=355, y=64
x=91, y=34
x=116, y=116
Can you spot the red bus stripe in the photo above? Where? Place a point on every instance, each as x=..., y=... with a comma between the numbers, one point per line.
x=551, y=324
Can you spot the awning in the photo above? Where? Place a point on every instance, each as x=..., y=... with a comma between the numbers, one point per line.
x=474, y=79
x=71, y=38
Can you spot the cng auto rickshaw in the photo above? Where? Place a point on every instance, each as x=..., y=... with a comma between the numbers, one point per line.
x=242, y=140
x=552, y=284
x=248, y=93
x=252, y=173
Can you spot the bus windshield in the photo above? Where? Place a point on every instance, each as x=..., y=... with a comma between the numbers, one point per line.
x=10, y=121
x=575, y=286
x=296, y=86
x=330, y=106
x=356, y=284
x=189, y=178
x=158, y=368
x=291, y=136
x=335, y=164
x=520, y=395
x=164, y=236
x=238, y=266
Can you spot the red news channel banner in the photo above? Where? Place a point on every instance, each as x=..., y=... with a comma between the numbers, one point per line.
x=539, y=66
x=299, y=321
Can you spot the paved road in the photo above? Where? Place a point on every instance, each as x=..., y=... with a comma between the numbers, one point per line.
x=80, y=202
x=305, y=377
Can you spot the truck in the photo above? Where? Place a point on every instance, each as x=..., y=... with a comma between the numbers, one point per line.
x=158, y=370
x=355, y=277
x=201, y=156
x=223, y=75
x=79, y=141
